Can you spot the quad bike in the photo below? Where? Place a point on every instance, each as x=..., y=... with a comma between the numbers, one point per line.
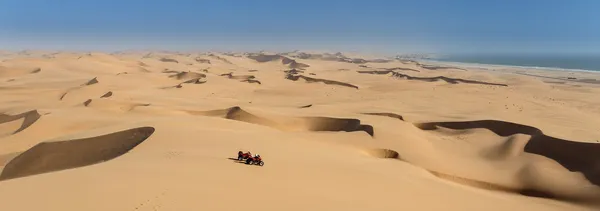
x=242, y=155
x=255, y=161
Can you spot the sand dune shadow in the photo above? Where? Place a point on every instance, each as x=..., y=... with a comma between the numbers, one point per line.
x=60, y=155
x=29, y=118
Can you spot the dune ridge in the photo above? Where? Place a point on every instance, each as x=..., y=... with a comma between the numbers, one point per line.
x=29, y=118
x=14, y=72
x=392, y=115
x=399, y=68
x=291, y=123
x=317, y=80
x=202, y=61
x=108, y=104
x=574, y=156
x=284, y=60
x=383, y=153
x=493, y=186
x=91, y=82
x=186, y=75
x=61, y=155
x=168, y=60
x=430, y=79
x=5, y=158
x=219, y=58
x=88, y=83
x=293, y=71
x=108, y=94
x=242, y=78
x=194, y=81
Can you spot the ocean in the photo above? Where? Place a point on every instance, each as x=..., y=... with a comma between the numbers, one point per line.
x=581, y=62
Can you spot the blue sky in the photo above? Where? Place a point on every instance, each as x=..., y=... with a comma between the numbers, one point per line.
x=389, y=26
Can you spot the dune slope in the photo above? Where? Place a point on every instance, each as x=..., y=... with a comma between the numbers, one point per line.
x=60, y=155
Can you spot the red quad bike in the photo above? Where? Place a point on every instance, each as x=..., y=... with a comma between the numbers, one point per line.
x=242, y=155
x=255, y=161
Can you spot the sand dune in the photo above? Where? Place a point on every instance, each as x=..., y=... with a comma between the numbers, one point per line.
x=291, y=123
x=11, y=124
x=91, y=82
x=88, y=83
x=168, y=60
x=430, y=79
x=383, y=153
x=284, y=60
x=108, y=94
x=242, y=78
x=195, y=81
x=178, y=86
x=16, y=72
x=201, y=60
x=435, y=67
x=573, y=156
x=399, y=68
x=252, y=81
x=392, y=115
x=5, y=158
x=238, y=77
x=113, y=105
x=317, y=80
x=60, y=155
x=186, y=75
x=220, y=58
x=518, y=144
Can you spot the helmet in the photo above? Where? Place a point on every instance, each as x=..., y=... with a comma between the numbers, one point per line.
x=257, y=155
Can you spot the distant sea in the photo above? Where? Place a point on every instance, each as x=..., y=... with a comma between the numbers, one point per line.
x=581, y=62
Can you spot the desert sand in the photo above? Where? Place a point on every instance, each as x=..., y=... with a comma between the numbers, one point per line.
x=161, y=131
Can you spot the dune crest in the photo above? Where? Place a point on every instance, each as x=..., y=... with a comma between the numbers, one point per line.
x=108, y=94
x=186, y=75
x=60, y=155
x=169, y=60
x=194, y=81
x=284, y=60
x=397, y=68
x=242, y=78
x=392, y=115
x=15, y=72
x=429, y=79
x=9, y=124
x=112, y=105
x=5, y=158
x=291, y=123
x=383, y=153
x=88, y=83
x=523, y=139
x=317, y=80
x=220, y=58
x=91, y=82
x=201, y=60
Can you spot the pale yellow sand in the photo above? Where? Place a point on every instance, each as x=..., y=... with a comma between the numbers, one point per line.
x=161, y=131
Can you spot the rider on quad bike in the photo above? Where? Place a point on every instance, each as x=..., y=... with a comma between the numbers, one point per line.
x=257, y=160
x=242, y=156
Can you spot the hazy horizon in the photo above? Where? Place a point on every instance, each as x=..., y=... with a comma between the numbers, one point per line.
x=374, y=26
